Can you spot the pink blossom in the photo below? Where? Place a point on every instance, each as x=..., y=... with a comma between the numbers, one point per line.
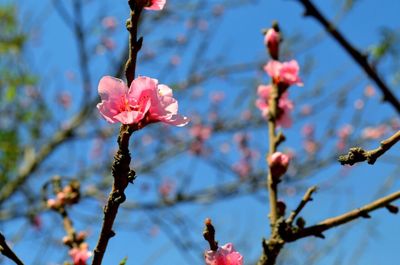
x=225, y=255
x=374, y=132
x=201, y=132
x=155, y=4
x=65, y=99
x=271, y=40
x=80, y=254
x=286, y=73
x=311, y=146
x=278, y=163
x=166, y=188
x=242, y=168
x=369, y=91
x=285, y=105
x=109, y=23
x=145, y=101
x=345, y=131
x=108, y=43
x=308, y=130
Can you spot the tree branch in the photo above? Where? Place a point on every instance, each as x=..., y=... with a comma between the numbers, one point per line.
x=364, y=211
x=360, y=59
x=121, y=171
x=6, y=251
x=303, y=202
x=357, y=154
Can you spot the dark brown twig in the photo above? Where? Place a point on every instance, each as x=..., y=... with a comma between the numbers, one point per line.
x=359, y=58
x=121, y=171
x=318, y=229
x=306, y=198
x=357, y=154
x=209, y=234
x=7, y=252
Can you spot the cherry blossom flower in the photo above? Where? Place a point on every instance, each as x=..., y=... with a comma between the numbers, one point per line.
x=80, y=254
x=285, y=105
x=155, y=5
x=278, y=163
x=286, y=73
x=145, y=101
x=225, y=255
x=271, y=40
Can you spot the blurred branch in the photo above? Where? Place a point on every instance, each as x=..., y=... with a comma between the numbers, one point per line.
x=360, y=59
x=364, y=211
x=6, y=251
x=357, y=154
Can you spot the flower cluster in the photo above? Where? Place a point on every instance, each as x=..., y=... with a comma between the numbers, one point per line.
x=144, y=102
x=283, y=74
x=67, y=196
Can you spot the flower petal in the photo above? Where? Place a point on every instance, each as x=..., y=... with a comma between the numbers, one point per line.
x=111, y=88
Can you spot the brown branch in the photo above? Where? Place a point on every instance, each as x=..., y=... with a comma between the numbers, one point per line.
x=306, y=198
x=357, y=154
x=7, y=252
x=358, y=57
x=364, y=211
x=121, y=171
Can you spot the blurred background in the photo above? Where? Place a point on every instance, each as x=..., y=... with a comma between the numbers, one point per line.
x=54, y=52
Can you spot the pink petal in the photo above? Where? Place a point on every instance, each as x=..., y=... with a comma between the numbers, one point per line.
x=111, y=88
x=129, y=117
x=107, y=112
x=156, y=5
x=273, y=68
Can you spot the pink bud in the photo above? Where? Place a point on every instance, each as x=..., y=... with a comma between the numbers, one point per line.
x=278, y=163
x=271, y=40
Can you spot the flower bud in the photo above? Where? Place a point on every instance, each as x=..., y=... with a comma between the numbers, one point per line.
x=271, y=40
x=278, y=163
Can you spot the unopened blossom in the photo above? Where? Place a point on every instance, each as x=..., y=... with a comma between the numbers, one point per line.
x=285, y=105
x=278, y=163
x=80, y=254
x=271, y=40
x=155, y=4
x=225, y=255
x=286, y=73
x=145, y=101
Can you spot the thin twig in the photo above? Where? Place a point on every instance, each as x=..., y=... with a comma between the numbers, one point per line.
x=358, y=57
x=306, y=198
x=357, y=154
x=6, y=251
x=318, y=229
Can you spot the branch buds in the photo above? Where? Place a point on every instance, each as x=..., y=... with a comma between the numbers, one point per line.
x=271, y=40
x=278, y=164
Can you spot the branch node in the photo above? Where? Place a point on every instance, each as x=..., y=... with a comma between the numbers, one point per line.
x=392, y=209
